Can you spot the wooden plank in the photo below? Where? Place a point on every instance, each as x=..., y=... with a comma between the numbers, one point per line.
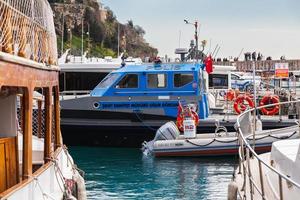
x=17, y=160
x=27, y=134
x=58, y=140
x=27, y=76
x=11, y=159
x=48, y=123
x=8, y=163
x=3, y=184
x=23, y=183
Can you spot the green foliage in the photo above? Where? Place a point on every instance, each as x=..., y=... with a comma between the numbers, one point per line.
x=93, y=49
x=103, y=35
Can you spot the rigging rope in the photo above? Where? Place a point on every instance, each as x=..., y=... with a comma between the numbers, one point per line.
x=27, y=30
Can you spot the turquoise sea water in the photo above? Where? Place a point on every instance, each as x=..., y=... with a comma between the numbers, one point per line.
x=121, y=173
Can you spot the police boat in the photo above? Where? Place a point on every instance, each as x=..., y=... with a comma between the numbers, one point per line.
x=132, y=102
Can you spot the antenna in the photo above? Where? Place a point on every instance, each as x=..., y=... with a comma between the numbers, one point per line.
x=240, y=53
x=209, y=51
x=118, y=39
x=217, y=52
x=214, y=50
x=62, y=34
x=81, y=38
x=179, y=38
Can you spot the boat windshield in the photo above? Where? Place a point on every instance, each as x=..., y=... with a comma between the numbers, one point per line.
x=108, y=80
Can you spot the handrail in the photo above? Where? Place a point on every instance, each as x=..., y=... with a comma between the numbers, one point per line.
x=244, y=144
x=27, y=30
x=75, y=92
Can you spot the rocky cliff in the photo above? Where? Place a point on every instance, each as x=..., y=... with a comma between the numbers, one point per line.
x=100, y=30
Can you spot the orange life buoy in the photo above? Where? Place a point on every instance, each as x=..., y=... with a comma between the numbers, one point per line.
x=239, y=104
x=230, y=95
x=180, y=118
x=269, y=99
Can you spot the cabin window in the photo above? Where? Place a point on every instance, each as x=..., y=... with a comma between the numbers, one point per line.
x=218, y=81
x=182, y=79
x=108, y=80
x=157, y=80
x=128, y=81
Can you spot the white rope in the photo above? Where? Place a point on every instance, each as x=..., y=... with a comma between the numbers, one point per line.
x=41, y=189
x=74, y=167
x=57, y=169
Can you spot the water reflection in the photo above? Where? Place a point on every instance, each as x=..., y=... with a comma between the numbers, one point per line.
x=118, y=173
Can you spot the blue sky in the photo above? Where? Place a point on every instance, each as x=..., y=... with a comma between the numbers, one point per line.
x=271, y=27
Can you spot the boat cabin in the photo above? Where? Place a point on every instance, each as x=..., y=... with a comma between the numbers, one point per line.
x=220, y=78
x=153, y=86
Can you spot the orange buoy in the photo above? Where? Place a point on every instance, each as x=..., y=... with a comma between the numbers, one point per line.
x=239, y=104
x=230, y=95
x=180, y=118
x=269, y=99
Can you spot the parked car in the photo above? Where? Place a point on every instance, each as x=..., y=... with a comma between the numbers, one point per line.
x=244, y=82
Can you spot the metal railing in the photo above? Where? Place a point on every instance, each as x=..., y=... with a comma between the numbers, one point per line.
x=248, y=155
x=73, y=94
x=27, y=30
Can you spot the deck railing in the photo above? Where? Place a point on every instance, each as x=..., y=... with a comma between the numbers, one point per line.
x=27, y=30
x=247, y=155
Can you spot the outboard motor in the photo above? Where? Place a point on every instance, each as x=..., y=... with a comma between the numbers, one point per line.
x=168, y=131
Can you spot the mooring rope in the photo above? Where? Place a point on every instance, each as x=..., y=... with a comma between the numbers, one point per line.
x=151, y=128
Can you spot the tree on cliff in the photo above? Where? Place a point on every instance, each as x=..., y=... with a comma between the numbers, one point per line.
x=103, y=34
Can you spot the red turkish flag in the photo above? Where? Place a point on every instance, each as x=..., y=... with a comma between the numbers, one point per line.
x=208, y=64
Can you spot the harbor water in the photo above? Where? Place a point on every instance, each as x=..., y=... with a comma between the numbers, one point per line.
x=124, y=173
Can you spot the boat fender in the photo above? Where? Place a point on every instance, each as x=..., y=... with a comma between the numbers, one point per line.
x=232, y=191
x=81, y=190
x=70, y=197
